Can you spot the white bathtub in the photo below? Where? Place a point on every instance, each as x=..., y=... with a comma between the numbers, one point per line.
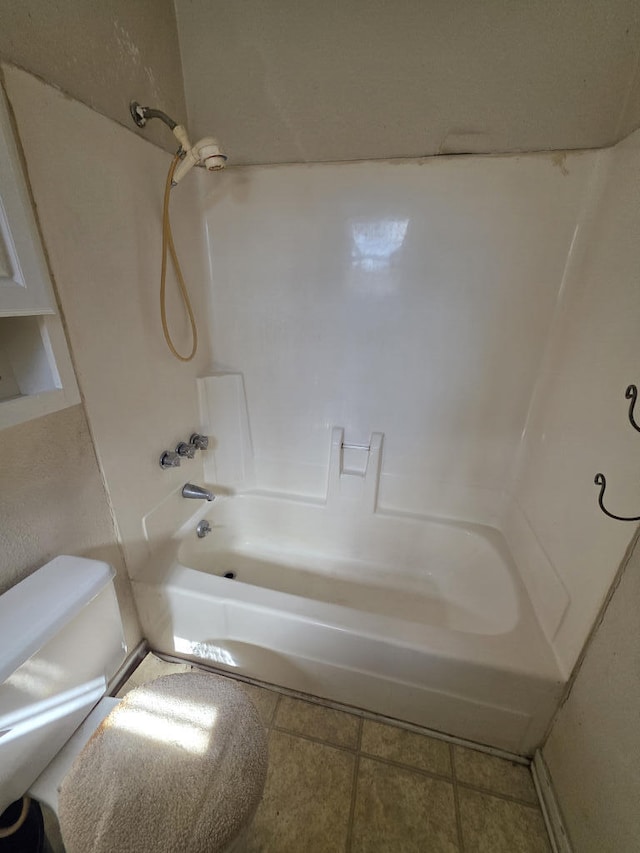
x=420, y=620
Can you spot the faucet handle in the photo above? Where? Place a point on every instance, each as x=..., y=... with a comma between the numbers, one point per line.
x=203, y=528
x=201, y=442
x=187, y=450
x=169, y=459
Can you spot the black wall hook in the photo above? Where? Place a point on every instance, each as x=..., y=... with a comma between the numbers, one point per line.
x=632, y=394
x=600, y=480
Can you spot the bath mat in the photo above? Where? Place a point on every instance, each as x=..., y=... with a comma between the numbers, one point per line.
x=179, y=765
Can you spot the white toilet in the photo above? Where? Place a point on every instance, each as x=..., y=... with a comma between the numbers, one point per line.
x=61, y=643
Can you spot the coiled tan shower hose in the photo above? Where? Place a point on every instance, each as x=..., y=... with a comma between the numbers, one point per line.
x=167, y=244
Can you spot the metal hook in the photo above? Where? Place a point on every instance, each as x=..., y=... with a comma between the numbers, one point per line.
x=632, y=394
x=601, y=481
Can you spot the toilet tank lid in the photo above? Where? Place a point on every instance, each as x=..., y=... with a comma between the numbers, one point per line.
x=33, y=611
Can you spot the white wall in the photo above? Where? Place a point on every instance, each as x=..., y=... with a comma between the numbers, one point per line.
x=98, y=191
x=592, y=750
x=410, y=298
x=578, y=422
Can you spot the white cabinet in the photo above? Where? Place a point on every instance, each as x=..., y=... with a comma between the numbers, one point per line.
x=36, y=375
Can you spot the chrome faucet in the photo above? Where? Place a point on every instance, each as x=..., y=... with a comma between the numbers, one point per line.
x=197, y=492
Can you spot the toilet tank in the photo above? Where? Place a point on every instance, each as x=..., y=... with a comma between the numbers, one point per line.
x=61, y=641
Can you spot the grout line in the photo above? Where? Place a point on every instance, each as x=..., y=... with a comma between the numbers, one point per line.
x=354, y=788
x=272, y=719
x=456, y=799
x=285, y=731
x=440, y=777
x=508, y=797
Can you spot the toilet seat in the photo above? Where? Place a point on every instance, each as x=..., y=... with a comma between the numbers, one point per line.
x=179, y=764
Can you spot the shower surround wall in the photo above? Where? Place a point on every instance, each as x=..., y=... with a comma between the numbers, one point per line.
x=578, y=422
x=428, y=301
x=408, y=298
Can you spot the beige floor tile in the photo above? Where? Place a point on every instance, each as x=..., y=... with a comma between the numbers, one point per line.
x=406, y=747
x=307, y=799
x=494, y=774
x=399, y=810
x=493, y=825
x=152, y=667
x=264, y=700
x=306, y=718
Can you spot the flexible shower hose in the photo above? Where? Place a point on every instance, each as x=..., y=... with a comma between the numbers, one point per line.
x=167, y=245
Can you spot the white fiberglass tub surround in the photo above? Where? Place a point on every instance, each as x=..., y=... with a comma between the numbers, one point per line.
x=420, y=620
x=434, y=302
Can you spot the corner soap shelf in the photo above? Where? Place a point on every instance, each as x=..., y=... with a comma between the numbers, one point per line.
x=600, y=480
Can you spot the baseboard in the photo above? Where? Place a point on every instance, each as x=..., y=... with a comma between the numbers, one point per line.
x=549, y=804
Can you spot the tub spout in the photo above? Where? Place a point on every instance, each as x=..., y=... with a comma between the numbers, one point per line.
x=197, y=492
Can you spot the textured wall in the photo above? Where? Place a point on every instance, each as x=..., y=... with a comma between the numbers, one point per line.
x=294, y=80
x=300, y=81
x=592, y=751
x=102, y=52
x=52, y=501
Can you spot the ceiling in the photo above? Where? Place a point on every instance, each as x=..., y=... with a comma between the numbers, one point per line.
x=281, y=81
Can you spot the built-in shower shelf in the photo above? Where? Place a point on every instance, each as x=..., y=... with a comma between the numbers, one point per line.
x=36, y=375
x=26, y=366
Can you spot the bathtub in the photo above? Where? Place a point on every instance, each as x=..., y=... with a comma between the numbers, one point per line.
x=421, y=620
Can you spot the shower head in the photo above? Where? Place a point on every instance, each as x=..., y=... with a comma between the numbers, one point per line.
x=206, y=153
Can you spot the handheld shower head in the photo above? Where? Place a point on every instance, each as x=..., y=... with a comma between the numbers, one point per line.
x=205, y=153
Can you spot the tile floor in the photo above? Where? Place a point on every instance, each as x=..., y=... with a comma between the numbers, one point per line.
x=338, y=782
